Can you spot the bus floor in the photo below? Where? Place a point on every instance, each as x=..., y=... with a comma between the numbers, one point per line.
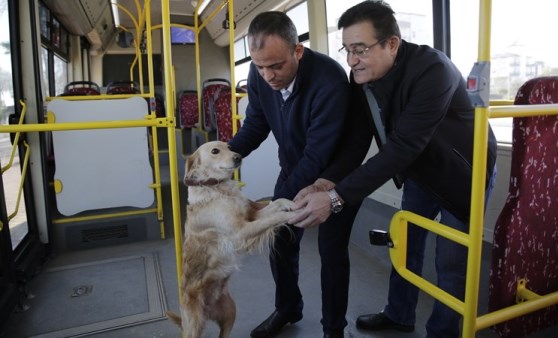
x=120, y=301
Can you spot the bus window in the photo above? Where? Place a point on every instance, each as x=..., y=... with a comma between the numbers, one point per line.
x=299, y=15
x=54, y=53
x=60, y=74
x=44, y=68
x=11, y=174
x=518, y=51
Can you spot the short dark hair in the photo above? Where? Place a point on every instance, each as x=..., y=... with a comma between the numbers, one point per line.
x=378, y=13
x=272, y=23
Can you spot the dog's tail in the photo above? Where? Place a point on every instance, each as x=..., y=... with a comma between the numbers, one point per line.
x=175, y=318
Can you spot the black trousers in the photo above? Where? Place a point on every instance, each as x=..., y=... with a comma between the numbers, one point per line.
x=333, y=242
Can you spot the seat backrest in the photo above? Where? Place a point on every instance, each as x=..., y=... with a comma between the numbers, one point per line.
x=526, y=231
x=223, y=114
x=123, y=87
x=188, y=108
x=78, y=88
x=159, y=106
x=210, y=93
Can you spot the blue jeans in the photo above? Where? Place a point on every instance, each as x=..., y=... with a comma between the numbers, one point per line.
x=451, y=265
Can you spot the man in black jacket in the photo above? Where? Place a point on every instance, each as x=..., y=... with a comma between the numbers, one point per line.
x=424, y=130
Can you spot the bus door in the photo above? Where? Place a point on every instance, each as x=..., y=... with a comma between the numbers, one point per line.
x=20, y=248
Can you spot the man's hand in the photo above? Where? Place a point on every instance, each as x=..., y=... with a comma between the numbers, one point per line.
x=321, y=184
x=314, y=207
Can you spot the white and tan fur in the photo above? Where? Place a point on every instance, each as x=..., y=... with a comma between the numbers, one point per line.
x=221, y=224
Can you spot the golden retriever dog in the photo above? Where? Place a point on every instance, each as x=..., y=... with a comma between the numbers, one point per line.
x=221, y=224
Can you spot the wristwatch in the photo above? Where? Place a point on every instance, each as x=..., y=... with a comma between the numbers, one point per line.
x=336, y=205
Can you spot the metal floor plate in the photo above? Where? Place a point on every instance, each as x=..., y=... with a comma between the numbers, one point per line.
x=96, y=297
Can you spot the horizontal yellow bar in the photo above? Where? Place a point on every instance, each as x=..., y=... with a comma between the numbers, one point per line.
x=501, y=103
x=426, y=286
x=103, y=216
x=98, y=97
x=523, y=110
x=430, y=225
x=398, y=254
x=516, y=310
x=159, y=122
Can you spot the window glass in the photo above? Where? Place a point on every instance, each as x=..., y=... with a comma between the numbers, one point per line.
x=18, y=226
x=414, y=19
x=518, y=51
x=64, y=40
x=299, y=15
x=241, y=71
x=60, y=74
x=55, y=33
x=44, y=17
x=54, y=52
x=240, y=51
x=44, y=66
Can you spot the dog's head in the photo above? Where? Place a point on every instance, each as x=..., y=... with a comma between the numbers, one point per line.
x=211, y=163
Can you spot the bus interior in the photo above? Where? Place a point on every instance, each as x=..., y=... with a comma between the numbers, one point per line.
x=105, y=99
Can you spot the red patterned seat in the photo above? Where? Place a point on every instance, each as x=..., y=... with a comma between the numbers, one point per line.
x=123, y=87
x=78, y=88
x=223, y=115
x=159, y=106
x=526, y=231
x=188, y=108
x=210, y=94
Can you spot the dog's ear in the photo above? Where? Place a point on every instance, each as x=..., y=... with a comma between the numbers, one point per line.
x=192, y=162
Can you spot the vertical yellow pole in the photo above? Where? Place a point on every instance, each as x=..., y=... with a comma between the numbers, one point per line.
x=234, y=109
x=156, y=162
x=478, y=184
x=172, y=139
x=198, y=68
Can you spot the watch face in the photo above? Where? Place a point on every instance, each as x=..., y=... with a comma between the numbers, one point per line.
x=336, y=208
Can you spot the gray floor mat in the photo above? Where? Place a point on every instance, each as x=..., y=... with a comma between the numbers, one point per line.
x=95, y=297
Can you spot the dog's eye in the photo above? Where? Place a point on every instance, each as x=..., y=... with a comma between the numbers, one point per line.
x=215, y=151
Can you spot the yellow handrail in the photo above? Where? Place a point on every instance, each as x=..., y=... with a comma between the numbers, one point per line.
x=172, y=140
x=21, y=183
x=16, y=138
x=23, y=167
x=473, y=241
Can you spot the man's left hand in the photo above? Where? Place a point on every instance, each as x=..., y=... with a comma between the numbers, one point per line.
x=314, y=209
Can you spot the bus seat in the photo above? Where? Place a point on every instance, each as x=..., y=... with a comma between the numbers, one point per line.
x=76, y=88
x=123, y=87
x=211, y=90
x=526, y=231
x=223, y=114
x=188, y=108
x=242, y=84
x=159, y=106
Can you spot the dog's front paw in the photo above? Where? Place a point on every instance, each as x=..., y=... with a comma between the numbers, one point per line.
x=283, y=204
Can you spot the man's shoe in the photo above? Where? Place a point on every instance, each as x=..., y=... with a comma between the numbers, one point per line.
x=333, y=335
x=273, y=324
x=379, y=321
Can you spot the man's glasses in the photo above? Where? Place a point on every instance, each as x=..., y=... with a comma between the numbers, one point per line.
x=359, y=52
